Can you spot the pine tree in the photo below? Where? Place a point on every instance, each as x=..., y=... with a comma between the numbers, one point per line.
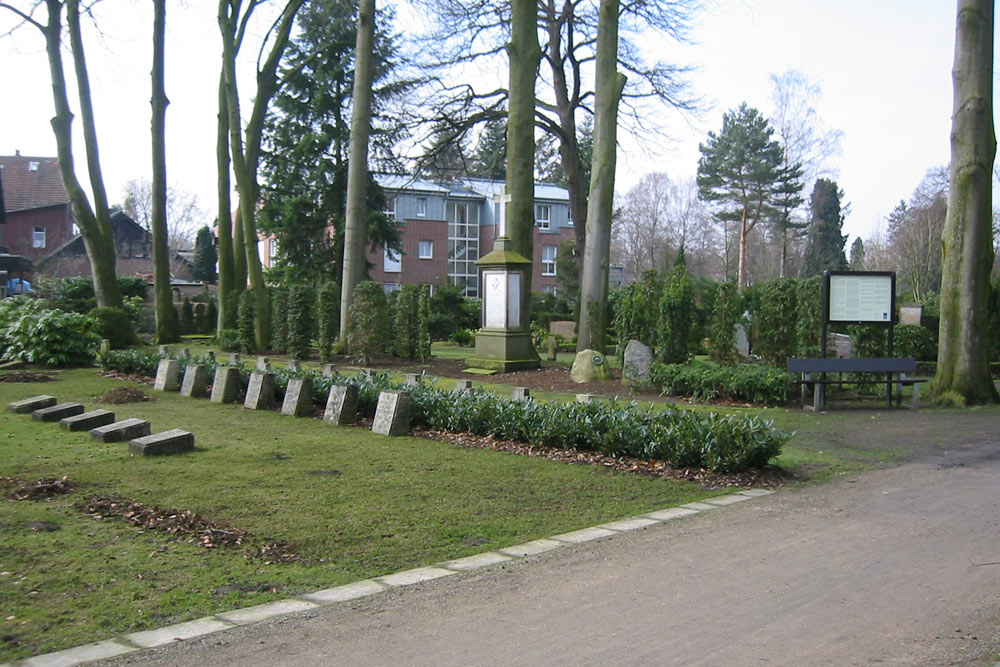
x=205, y=256
x=825, y=247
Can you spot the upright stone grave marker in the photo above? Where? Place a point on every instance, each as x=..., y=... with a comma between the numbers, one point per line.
x=263, y=364
x=392, y=416
x=329, y=370
x=462, y=387
x=294, y=365
x=226, y=388
x=234, y=358
x=341, y=404
x=412, y=380
x=166, y=375
x=164, y=350
x=521, y=394
x=298, y=398
x=195, y=383
x=260, y=393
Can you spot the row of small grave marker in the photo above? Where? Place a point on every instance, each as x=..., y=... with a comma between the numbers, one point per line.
x=392, y=414
x=103, y=427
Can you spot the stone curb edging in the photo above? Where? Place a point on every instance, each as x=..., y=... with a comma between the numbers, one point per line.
x=137, y=641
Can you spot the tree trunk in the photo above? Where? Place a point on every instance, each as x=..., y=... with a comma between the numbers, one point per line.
x=167, y=329
x=224, y=212
x=355, y=226
x=963, y=375
x=741, y=270
x=596, y=255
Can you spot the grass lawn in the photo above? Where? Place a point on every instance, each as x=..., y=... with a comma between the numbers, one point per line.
x=350, y=504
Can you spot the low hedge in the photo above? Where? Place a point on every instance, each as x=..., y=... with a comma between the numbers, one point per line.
x=682, y=437
x=746, y=383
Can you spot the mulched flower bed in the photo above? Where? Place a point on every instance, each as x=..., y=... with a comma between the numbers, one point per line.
x=120, y=395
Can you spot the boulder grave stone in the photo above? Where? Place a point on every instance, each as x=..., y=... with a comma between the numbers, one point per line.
x=637, y=362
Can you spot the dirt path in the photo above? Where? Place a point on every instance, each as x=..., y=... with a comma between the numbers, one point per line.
x=897, y=566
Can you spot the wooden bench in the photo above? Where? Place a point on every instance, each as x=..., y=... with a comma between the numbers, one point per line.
x=894, y=368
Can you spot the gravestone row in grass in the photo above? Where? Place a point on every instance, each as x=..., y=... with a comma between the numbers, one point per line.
x=102, y=426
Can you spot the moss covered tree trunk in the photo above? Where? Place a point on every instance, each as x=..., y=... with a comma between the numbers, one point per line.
x=596, y=255
x=355, y=225
x=227, y=283
x=963, y=363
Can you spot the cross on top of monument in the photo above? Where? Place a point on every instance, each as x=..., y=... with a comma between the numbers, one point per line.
x=502, y=198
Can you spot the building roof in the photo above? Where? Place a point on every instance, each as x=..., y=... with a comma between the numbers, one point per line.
x=465, y=187
x=489, y=188
x=31, y=182
x=405, y=182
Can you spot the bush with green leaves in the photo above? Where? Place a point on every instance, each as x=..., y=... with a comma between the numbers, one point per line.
x=423, y=331
x=211, y=317
x=33, y=332
x=301, y=320
x=774, y=321
x=744, y=383
x=245, y=322
x=329, y=318
x=77, y=294
x=279, y=319
x=406, y=339
x=635, y=317
x=676, y=317
x=913, y=340
x=369, y=331
x=228, y=340
x=722, y=330
x=114, y=325
x=187, y=317
x=809, y=317
x=230, y=311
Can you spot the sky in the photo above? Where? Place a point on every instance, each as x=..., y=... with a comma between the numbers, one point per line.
x=884, y=67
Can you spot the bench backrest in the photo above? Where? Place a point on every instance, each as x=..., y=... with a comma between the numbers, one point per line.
x=838, y=365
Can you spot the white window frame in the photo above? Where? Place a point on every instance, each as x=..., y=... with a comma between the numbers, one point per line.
x=389, y=288
x=390, y=263
x=38, y=237
x=421, y=207
x=390, y=208
x=544, y=223
x=425, y=249
x=549, y=265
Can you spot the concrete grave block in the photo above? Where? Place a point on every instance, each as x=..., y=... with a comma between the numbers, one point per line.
x=210, y=355
x=298, y=398
x=163, y=349
x=174, y=441
x=166, y=375
x=185, y=353
x=341, y=404
x=520, y=394
x=126, y=429
x=57, y=412
x=392, y=416
x=195, y=383
x=462, y=386
x=551, y=347
x=260, y=393
x=105, y=347
x=294, y=365
x=413, y=379
x=87, y=420
x=234, y=359
x=26, y=405
x=585, y=398
x=263, y=364
x=226, y=387
x=329, y=370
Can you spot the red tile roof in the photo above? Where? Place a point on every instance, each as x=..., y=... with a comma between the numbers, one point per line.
x=26, y=188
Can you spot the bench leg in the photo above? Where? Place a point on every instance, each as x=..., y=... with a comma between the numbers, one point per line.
x=916, y=396
x=818, y=396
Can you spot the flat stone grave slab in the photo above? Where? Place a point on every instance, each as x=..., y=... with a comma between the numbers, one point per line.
x=260, y=393
x=341, y=404
x=392, y=416
x=87, y=420
x=174, y=441
x=298, y=398
x=126, y=429
x=167, y=375
x=195, y=383
x=57, y=412
x=26, y=405
x=226, y=388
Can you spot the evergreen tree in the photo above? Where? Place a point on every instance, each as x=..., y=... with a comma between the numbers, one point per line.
x=676, y=316
x=857, y=262
x=825, y=247
x=205, y=256
x=490, y=159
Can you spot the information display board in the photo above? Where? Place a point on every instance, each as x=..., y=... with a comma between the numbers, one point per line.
x=859, y=297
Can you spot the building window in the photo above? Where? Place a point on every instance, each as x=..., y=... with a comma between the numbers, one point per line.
x=422, y=207
x=391, y=263
x=38, y=238
x=463, y=246
x=430, y=288
x=548, y=260
x=425, y=249
x=543, y=213
x=549, y=289
x=389, y=288
x=390, y=207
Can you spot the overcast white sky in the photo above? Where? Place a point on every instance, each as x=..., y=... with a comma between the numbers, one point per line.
x=884, y=66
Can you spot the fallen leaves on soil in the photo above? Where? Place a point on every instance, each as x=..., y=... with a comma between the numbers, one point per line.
x=206, y=532
x=38, y=490
x=120, y=395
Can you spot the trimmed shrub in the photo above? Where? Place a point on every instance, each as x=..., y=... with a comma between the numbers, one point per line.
x=407, y=325
x=32, y=332
x=329, y=318
x=230, y=314
x=211, y=317
x=635, y=317
x=423, y=331
x=774, y=326
x=809, y=317
x=300, y=320
x=913, y=340
x=279, y=320
x=245, y=321
x=228, y=340
x=744, y=383
x=113, y=324
x=187, y=317
x=369, y=332
x=463, y=337
x=676, y=317
x=725, y=317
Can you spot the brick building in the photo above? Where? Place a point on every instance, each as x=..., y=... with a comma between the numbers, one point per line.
x=38, y=211
x=447, y=227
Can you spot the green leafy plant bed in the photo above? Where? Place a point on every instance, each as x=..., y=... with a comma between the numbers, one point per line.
x=317, y=506
x=744, y=383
